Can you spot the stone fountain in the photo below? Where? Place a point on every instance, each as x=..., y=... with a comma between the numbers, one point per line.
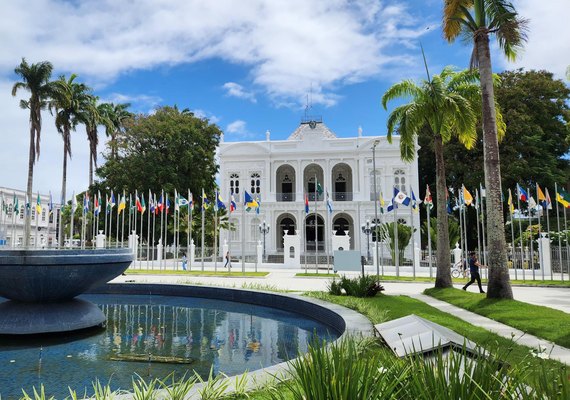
x=41, y=286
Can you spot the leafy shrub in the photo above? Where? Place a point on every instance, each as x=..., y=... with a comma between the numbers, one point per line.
x=362, y=286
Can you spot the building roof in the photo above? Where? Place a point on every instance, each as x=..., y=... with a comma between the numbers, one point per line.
x=312, y=129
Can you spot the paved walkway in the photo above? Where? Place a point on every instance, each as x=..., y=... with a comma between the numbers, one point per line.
x=285, y=279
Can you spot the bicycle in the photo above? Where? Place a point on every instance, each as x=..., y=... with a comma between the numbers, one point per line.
x=458, y=270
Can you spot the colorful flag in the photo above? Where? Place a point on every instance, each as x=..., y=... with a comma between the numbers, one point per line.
x=167, y=204
x=306, y=203
x=467, y=198
x=205, y=201
x=85, y=203
x=50, y=204
x=448, y=199
x=122, y=204
x=548, y=200
x=73, y=203
x=258, y=208
x=27, y=205
x=160, y=205
x=39, y=205
x=96, y=205
x=563, y=198
x=151, y=207
x=233, y=205
x=143, y=205
x=138, y=204
x=219, y=202
x=329, y=203
x=15, y=202
x=510, y=203
x=190, y=201
x=401, y=197
x=182, y=202
x=415, y=202
x=112, y=200
x=319, y=189
x=522, y=194
x=249, y=202
x=428, y=202
x=382, y=203
x=541, y=197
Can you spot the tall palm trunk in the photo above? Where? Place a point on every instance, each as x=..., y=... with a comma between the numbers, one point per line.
x=499, y=285
x=90, y=171
x=29, y=188
x=63, y=187
x=443, y=276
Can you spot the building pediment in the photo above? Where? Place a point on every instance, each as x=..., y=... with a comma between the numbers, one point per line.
x=312, y=130
x=243, y=148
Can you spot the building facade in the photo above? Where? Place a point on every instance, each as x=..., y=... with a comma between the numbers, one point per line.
x=284, y=174
x=43, y=226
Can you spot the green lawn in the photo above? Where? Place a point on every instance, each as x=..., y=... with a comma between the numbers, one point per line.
x=543, y=322
x=384, y=308
x=197, y=272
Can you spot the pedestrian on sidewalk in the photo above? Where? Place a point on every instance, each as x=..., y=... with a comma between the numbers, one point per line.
x=474, y=266
x=228, y=261
x=184, y=261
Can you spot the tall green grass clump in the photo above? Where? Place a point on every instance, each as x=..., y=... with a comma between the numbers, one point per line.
x=362, y=286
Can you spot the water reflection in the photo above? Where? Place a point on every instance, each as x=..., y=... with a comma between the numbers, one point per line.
x=154, y=336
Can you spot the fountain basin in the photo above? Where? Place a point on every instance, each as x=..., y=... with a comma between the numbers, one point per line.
x=37, y=276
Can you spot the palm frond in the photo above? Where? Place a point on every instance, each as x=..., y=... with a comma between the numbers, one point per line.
x=452, y=17
x=406, y=88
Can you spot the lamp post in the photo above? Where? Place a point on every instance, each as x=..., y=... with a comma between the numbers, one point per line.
x=367, y=230
x=376, y=142
x=264, y=229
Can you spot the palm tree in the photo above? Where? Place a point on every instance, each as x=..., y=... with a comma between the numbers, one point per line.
x=477, y=20
x=116, y=114
x=94, y=115
x=35, y=78
x=69, y=100
x=444, y=107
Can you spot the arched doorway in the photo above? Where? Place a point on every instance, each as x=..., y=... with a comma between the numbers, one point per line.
x=342, y=223
x=311, y=172
x=341, y=179
x=285, y=180
x=314, y=234
x=285, y=225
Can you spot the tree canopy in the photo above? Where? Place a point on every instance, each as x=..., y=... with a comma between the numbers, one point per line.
x=168, y=150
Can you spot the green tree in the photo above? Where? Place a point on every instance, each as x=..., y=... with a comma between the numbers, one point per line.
x=167, y=150
x=116, y=116
x=454, y=235
x=441, y=107
x=404, y=236
x=477, y=20
x=70, y=100
x=94, y=115
x=35, y=79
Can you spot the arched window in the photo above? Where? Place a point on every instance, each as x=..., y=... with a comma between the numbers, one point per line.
x=340, y=226
x=21, y=212
x=378, y=177
x=234, y=233
x=255, y=183
x=234, y=186
x=254, y=229
x=400, y=180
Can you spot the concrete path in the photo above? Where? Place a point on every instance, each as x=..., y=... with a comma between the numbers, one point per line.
x=285, y=279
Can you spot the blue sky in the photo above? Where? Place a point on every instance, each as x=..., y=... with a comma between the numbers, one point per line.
x=247, y=66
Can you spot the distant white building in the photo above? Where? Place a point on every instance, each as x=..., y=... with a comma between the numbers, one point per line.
x=280, y=173
x=44, y=225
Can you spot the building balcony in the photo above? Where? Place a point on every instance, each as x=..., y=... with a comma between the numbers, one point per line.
x=285, y=197
x=342, y=196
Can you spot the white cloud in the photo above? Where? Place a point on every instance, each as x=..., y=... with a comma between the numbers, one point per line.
x=206, y=114
x=139, y=103
x=548, y=45
x=237, y=90
x=237, y=130
x=286, y=45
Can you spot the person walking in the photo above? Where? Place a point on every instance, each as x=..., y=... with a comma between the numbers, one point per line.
x=184, y=261
x=228, y=263
x=474, y=266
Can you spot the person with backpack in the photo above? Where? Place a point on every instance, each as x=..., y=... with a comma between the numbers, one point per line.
x=474, y=266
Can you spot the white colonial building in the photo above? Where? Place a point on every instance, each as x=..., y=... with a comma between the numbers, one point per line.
x=43, y=226
x=280, y=173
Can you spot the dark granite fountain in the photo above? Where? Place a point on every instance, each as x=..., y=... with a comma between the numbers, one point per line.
x=41, y=286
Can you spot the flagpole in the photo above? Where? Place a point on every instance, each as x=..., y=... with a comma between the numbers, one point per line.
x=148, y=229
x=118, y=217
x=520, y=231
x=161, y=209
x=215, y=232
x=178, y=230
x=466, y=250
x=531, y=241
x=511, y=212
x=243, y=240
x=154, y=245
x=316, y=230
x=165, y=229
x=107, y=211
x=73, y=200
x=174, y=235
x=413, y=239
x=203, y=223
x=428, y=208
x=396, y=250
x=477, y=201
x=93, y=227
x=140, y=245
x=483, y=226
x=83, y=223
x=134, y=236
x=546, y=201
x=559, y=235
x=190, y=220
x=327, y=234
x=37, y=220
x=540, y=248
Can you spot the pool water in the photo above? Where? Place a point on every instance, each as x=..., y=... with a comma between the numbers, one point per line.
x=154, y=337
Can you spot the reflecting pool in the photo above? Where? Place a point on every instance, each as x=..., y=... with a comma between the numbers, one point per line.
x=155, y=336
